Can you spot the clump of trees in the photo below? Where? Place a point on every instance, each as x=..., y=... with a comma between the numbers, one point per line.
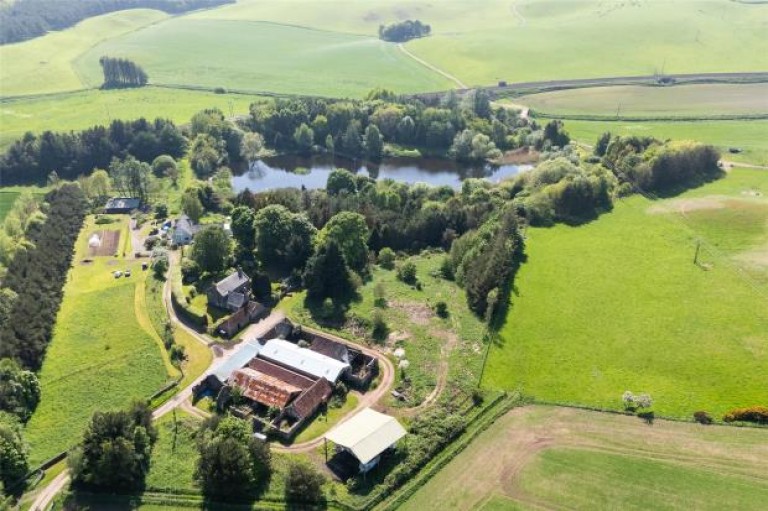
x=232, y=464
x=121, y=73
x=36, y=277
x=26, y=19
x=115, y=452
x=33, y=158
x=24, y=213
x=404, y=31
x=19, y=390
x=13, y=453
x=303, y=483
x=212, y=249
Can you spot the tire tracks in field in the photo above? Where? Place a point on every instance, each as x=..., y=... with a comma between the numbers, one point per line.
x=459, y=83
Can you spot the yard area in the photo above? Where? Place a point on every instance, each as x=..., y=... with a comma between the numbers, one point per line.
x=618, y=305
x=428, y=340
x=101, y=356
x=541, y=457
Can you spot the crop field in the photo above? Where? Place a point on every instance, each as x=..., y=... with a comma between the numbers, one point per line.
x=45, y=64
x=749, y=136
x=482, y=42
x=637, y=101
x=264, y=57
x=540, y=457
x=100, y=356
x=618, y=305
x=80, y=110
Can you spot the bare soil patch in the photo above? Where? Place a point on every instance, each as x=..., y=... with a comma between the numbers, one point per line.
x=684, y=206
x=108, y=245
x=418, y=313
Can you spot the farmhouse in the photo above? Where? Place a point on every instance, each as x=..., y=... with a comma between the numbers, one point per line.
x=362, y=440
x=230, y=293
x=122, y=205
x=184, y=231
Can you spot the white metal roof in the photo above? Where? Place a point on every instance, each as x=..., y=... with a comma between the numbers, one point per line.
x=303, y=359
x=367, y=434
x=244, y=354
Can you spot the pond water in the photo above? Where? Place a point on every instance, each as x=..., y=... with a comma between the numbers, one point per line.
x=312, y=172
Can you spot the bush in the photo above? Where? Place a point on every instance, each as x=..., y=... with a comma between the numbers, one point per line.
x=758, y=414
x=703, y=418
x=379, y=330
x=406, y=272
x=190, y=271
x=387, y=258
x=303, y=483
x=441, y=309
x=160, y=267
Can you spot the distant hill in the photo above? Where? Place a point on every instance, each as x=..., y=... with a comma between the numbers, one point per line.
x=26, y=19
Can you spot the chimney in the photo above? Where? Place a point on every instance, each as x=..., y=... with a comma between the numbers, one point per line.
x=240, y=271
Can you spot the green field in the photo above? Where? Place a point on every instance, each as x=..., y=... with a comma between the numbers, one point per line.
x=80, y=110
x=100, y=357
x=45, y=64
x=637, y=101
x=174, y=456
x=540, y=457
x=482, y=42
x=617, y=305
x=750, y=136
x=6, y=202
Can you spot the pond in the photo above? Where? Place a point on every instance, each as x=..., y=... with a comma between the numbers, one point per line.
x=312, y=172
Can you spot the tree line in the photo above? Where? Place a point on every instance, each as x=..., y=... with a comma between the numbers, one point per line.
x=25, y=19
x=31, y=159
x=36, y=277
x=120, y=73
x=404, y=31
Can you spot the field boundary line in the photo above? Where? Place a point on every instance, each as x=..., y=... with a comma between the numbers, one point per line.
x=633, y=118
x=432, y=67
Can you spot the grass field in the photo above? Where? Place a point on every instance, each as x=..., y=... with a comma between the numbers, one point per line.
x=264, y=57
x=80, y=110
x=429, y=342
x=541, y=457
x=6, y=202
x=618, y=305
x=637, y=101
x=100, y=357
x=482, y=42
x=45, y=64
x=175, y=453
x=750, y=136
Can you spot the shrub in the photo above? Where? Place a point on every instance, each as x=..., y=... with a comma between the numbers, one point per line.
x=379, y=330
x=702, y=417
x=303, y=483
x=379, y=295
x=758, y=414
x=387, y=258
x=441, y=309
x=406, y=272
x=160, y=267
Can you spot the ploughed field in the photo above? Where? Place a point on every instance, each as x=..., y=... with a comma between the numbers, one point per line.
x=618, y=304
x=541, y=457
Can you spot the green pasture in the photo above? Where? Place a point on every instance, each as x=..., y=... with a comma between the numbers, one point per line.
x=45, y=64
x=100, y=357
x=750, y=136
x=540, y=457
x=618, y=305
x=640, y=101
x=6, y=202
x=80, y=110
x=263, y=57
x=174, y=455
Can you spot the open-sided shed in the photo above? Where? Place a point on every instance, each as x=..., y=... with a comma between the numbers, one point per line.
x=366, y=436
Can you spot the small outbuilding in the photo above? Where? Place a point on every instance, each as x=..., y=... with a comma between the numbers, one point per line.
x=366, y=436
x=122, y=205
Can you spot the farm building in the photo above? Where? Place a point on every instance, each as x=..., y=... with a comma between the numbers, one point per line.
x=252, y=312
x=303, y=360
x=184, y=231
x=122, y=205
x=230, y=293
x=361, y=441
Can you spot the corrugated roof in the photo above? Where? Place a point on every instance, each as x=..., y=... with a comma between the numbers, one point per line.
x=294, y=378
x=367, y=434
x=303, y=360
x=262, y=388
x=240, y=359
x=306, y=404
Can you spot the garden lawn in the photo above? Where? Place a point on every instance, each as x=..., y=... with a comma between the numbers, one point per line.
x=618, y=305
x=81, y=110
x=636, y=101
x=100, y=358
x=749, y=136
x=541, y=457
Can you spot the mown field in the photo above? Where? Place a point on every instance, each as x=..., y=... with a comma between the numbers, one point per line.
x=618, y=305
x=482, y=42
x=100, y=356
x=80, y=110
x=749, y=136
x=637, y=101
x=540, y=457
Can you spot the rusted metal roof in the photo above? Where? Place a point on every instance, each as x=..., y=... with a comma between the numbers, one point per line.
x=262, y=388
x=306, y=404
